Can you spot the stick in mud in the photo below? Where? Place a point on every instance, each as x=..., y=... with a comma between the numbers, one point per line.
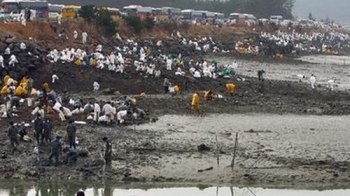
x=234, y=152
x=217, y=151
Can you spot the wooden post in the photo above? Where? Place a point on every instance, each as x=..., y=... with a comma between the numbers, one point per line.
x=217, y=151
x=234, y=152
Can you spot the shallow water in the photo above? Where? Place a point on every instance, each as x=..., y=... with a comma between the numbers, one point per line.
x=110, y=190
x=323, y=67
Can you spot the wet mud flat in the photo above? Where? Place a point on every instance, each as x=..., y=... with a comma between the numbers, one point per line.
x=278, y=149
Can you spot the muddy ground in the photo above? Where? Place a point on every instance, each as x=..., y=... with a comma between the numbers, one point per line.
x=288, y=133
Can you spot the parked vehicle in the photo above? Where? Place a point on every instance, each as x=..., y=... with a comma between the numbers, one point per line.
x=237, y=18
x=13, y=8
x=249, y=19
x=54, y=10
x=130, y=10
x=70, y=11
x=197, y=16
x=145, y=12
x=276, y=19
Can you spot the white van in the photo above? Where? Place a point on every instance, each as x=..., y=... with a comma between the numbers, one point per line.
x=276, y=19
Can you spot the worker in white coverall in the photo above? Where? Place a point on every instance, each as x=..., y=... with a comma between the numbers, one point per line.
x=313, y=81
x=331, y=85
x=84, y=36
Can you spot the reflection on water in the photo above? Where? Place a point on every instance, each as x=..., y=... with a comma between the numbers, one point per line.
x=109, y=189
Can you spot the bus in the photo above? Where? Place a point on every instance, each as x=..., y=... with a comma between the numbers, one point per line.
x=54, y=10
x=194, y=15
x=237, y=18
x=130, y=10
x=145, y=12
x=167, y=13
x=14, y=8
x=70, y=11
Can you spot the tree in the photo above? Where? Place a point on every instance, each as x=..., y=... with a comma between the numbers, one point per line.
x=311, y=17
x=101, y=17
x=327, y=20
x=105, y=22
x=134, y=22
x=88, y=12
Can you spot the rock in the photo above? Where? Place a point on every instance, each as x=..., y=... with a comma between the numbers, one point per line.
x=9, y=40
x=133, y=179
x=83, y=153
x=203, y=148
x=108, y=91
x=117, y=93
x=97, y=162
x=31, y=173
x=3, y=156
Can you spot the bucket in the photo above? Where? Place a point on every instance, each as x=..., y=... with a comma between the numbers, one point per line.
x=8, y=105
x=30, y=102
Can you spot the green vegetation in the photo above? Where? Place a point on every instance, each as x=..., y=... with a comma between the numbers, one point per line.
x=134, y=22
x=137, y=24
x=101, y=17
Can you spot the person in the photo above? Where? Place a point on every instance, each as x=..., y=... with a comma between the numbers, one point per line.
x=97, y=112
x=71, y=156
x=331, y=85
x=27, y=14
x=47, y=130
x=71, y=131
x=166, y=84
x=174, y=90
x=12, y=134
x=75, y=34
x=313, y=81
x=84, y=36
x=2, y=61
x=65, y=113
x=195, y=101
x=300, y=77
x=23, y=134
x=108, y=151
x=96, y=86
x=38, y=127
x=261, y=75
x=54, y=78
x=59, y=18
x=56, y=148
x=230, y=88
x=208, y=95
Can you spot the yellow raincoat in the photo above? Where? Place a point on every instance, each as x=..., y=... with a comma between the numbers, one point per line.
x=6, y=78
x=208, y=95
x=230, y=88
x=195, y=101
x=46, y=87
x=176, y=88
x=4, y=90
x=20, y=91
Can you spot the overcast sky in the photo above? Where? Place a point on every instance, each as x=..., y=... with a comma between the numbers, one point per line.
x=338, y=10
